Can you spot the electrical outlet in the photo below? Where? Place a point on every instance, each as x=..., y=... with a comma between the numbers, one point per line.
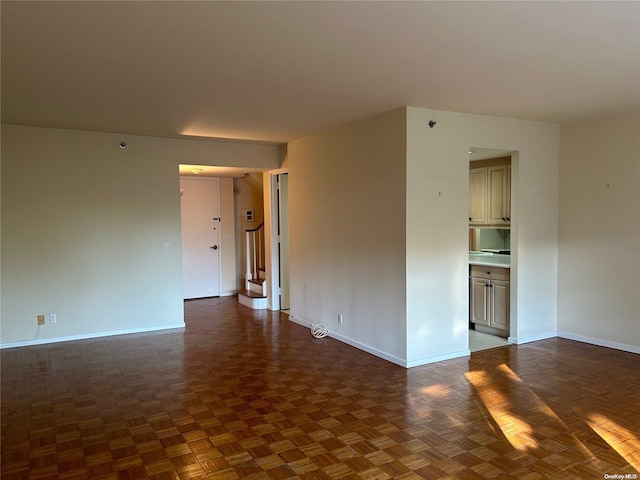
x=53, y=318
x=40, y=319
x=340, y=318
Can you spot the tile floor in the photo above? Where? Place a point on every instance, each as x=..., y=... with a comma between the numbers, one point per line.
x=482, y=341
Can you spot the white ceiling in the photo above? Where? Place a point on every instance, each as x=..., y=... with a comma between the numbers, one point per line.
x=276, y=71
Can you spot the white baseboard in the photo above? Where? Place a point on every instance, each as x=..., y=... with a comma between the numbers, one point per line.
x=601, y=343
x=532, y=338
x=438, y=358
x=366, y=348
x=299, y=321
x=42, y=341
x=381, y=354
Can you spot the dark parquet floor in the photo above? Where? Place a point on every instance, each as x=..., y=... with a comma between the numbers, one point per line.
x=242, y=394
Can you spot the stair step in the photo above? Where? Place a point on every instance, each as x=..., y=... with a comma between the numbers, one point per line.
x=257, y=281
x=251, y=294
x=252, y=300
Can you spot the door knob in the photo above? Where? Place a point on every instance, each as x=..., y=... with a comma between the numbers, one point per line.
x=215, y=247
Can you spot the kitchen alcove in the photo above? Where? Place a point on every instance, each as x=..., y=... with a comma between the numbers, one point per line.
x=490, y=242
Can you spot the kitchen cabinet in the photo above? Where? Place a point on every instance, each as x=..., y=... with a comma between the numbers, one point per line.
x=490, y=193
x=489, y=298
x=478, y=195
x=507, y=205
x=497, y=195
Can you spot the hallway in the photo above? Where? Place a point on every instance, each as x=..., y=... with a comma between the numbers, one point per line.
x=245, y=394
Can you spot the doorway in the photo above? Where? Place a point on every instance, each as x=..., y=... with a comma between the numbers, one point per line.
x=200, y=219
x=278, y=240
x=282, y=181
x=492, y=267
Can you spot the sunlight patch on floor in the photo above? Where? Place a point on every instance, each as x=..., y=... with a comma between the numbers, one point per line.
x=624, y=442
x=516, y=426
x=516, y=431
x=438, y=390
x=545, y=409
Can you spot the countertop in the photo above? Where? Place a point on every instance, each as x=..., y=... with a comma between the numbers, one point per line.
x=490, y=259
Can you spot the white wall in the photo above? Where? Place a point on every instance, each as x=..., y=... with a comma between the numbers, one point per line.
x=437, y=227
x=347, y=222
x=599, y=263
x=379, y=230
x=437, y=238
x=84, y=224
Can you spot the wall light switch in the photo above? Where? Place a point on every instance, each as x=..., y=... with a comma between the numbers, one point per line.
x=167, y=247
x=53, y=318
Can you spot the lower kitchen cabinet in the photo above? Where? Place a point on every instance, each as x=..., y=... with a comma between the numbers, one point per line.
x=489, y=298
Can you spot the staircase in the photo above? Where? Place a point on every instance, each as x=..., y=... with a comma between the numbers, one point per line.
x=255, y=293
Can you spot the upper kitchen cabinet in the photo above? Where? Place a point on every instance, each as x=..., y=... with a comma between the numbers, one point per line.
x=498, y=201
x=478, y=195
x=490, y=192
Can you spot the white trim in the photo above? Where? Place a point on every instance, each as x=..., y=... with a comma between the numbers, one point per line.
x=273, y=300
x=368, y=349
x=219, y=239
x=532, y=338
x=439, y=358
x=278, y=171
x=41, y=341
x=273, y=297
x=358, y=345
x=599, y=342
x=299, y=321
x=380, y=353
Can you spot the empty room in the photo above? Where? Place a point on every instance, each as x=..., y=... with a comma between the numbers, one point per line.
x=320, y=240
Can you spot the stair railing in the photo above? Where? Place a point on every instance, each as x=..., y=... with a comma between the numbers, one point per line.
x=255, y=257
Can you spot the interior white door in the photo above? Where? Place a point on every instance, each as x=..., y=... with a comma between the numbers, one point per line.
x=200, y=213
